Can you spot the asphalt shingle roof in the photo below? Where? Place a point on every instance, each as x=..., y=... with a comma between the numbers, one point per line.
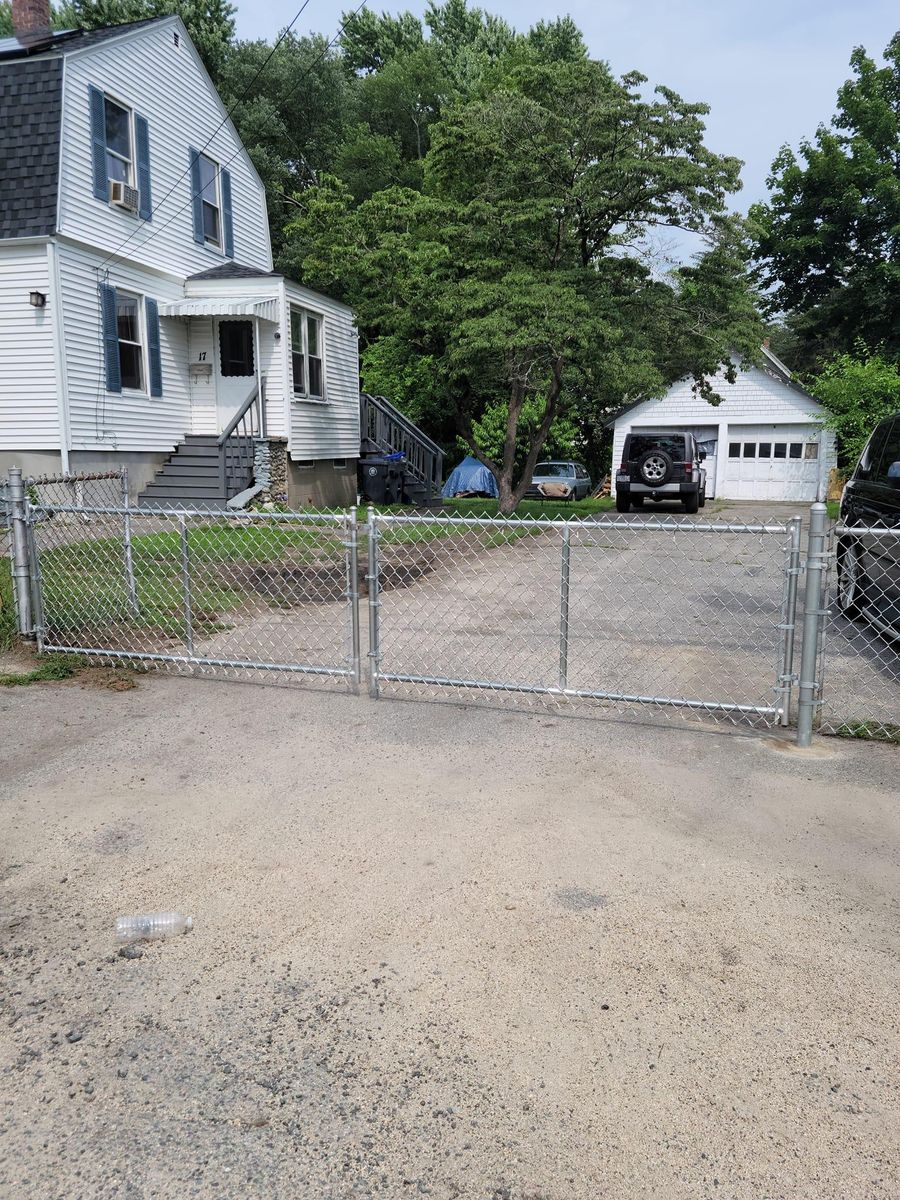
x=30, y=109
x=64, y=40
x=233, y=270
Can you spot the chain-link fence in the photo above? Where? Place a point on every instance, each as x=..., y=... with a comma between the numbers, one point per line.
x=860, y=656
x=205, y=592
x=683, y=615
x=79, y=489
x=668, y=614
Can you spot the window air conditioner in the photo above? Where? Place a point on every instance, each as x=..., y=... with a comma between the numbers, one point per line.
x=123, y=196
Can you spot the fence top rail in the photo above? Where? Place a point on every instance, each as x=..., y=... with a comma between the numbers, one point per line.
x=135, y=514
x=869, y=530
x=585, y=523
x=74, y=477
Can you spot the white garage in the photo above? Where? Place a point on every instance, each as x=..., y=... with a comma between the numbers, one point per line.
x=765, y=441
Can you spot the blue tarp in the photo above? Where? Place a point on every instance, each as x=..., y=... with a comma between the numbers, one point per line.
x=470, y=476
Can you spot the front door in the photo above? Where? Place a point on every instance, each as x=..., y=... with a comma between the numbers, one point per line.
x=235, y=367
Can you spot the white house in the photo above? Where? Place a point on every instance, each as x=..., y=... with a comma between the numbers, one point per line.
x=138, y=306
x=765, y=441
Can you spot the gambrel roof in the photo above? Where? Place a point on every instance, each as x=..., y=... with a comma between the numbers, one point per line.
x=30, y=116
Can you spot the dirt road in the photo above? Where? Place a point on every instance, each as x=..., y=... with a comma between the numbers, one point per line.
x=439, y=951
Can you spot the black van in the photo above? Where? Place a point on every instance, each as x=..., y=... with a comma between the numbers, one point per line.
x=869, y=562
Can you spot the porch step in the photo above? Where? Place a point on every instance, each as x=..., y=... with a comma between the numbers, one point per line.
x=192, y=475
x=182, y=466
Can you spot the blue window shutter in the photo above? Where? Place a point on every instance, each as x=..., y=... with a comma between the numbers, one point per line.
x=227, y=222
x=196, y=199
x=152, y=310
x=142, y=153
x=110, y=338
x=98, y=142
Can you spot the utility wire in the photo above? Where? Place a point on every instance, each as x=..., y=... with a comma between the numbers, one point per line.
x=229, y=114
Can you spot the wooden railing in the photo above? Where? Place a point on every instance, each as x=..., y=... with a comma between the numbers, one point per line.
x=388, y=431
x=236, y=442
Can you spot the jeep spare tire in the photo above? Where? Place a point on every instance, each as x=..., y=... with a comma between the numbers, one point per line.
x=655, y=468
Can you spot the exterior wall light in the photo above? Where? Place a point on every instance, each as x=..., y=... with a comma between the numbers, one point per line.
x=37, y=299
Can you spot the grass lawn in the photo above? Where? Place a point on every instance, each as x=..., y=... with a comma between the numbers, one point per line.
x=547, y=510
x=7, y=606
x=85, y=586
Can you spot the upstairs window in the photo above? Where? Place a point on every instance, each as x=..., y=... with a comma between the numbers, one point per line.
x=307, y=364
x=212, y=206
x=119, y=142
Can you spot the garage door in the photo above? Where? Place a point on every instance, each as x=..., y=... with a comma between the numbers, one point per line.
x=772, y=464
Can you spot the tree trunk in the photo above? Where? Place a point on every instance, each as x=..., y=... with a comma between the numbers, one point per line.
x=511, y=493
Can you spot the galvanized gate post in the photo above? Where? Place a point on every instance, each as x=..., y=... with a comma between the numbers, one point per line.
x=564, y=611
x=186, y=585
x=353, y=595
x=786, y=676
x=372, y=581
x=20, y=556
x=813, y=615
x=130, y=585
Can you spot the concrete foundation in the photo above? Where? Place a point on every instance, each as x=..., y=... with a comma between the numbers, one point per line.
x=141, y=466
x=320, y=484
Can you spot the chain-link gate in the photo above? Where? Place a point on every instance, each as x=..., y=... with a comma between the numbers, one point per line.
x=659, y=613
x=200, y=591
x=699, y=617
x=859, y=662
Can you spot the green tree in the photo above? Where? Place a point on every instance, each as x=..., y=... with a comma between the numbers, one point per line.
x=295, y=113
x=857, y=390
x=515, y=272
x=828, y=240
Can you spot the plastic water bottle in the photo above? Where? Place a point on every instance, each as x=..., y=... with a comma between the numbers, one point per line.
x=150, y=926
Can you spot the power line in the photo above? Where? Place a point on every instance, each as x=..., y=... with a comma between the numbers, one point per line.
x=221, y=167
x=229, y=114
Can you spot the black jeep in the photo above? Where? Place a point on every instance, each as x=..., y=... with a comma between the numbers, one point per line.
x=661, y=466
x=868, y=551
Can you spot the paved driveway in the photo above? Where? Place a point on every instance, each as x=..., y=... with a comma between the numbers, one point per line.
x=439, y=951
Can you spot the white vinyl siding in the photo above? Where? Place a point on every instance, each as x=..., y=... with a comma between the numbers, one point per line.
x=201, y=349
x=330, y=428
x=271, y=362
x=129, y=420
x=29, y=412
x=169, y=87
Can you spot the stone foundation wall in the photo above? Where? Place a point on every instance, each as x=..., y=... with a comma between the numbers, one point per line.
x=270, y=470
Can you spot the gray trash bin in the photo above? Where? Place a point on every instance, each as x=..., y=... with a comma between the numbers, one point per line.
x=381, y=480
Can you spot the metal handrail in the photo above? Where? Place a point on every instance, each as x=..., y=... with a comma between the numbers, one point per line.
x=390, y=410
x=251, y=402
x=235, y=442
x=382, y=423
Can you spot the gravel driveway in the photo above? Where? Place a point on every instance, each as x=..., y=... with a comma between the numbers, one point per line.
x=439, y=951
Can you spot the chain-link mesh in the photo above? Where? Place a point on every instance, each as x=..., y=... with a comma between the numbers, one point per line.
x=663, y=613
x=84, y=488
x=860, y=660
x=206, y=592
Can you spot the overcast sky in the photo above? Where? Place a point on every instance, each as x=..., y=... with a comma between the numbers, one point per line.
x=769, y=70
